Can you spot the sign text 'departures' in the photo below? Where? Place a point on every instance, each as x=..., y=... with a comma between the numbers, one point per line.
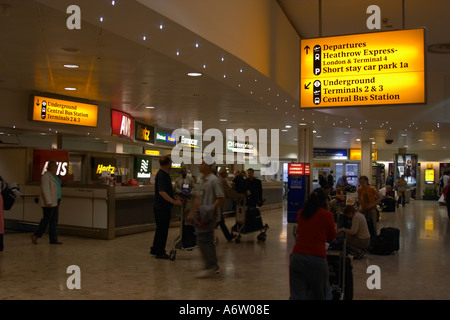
x=363, y=69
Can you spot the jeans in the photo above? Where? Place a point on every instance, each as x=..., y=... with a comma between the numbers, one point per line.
x=205, y=241
x=50, y=219
x=308, y=277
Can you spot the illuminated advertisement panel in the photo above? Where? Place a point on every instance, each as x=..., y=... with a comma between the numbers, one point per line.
x=63, y=111
x=122, y=125
x=378, y=68
x=41, y=159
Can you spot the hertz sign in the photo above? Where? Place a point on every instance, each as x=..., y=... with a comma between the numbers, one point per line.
x=363, y=69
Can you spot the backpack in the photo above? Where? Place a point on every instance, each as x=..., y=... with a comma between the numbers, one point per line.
x=387, y=242
x=441, y=183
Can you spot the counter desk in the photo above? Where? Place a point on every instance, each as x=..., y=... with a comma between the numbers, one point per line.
x=94, y=211
x=104, y=212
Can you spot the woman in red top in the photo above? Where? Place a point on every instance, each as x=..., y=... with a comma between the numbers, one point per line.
x=447, y=197
x=308, y=268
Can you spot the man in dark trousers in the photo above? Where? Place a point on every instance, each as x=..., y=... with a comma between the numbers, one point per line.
x=330, y=181
x=164, y=200
x=253, y=189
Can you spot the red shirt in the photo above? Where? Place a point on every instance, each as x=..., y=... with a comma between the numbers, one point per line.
x=314, y=232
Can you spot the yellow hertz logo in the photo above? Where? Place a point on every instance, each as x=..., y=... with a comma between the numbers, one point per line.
x=102, y=168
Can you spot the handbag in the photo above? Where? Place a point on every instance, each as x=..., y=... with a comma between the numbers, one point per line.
x=9, y=197
x=9, y=193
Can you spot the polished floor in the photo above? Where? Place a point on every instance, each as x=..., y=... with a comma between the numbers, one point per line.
x=250, y=270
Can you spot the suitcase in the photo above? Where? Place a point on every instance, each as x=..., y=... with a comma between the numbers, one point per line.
x=188, y=238
x=253, y=220
x=387, y=242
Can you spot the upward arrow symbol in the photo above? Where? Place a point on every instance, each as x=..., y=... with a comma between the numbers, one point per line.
x=307, y=48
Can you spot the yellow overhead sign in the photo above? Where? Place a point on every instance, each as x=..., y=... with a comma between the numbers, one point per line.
x=376, y=68
x=355, y=154
x=62, y=111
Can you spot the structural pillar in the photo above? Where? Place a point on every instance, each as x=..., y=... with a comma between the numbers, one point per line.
x=305, y=150
x=57, y=141
x=366, y=160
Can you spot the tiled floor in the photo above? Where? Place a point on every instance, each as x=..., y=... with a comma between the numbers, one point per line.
x=124, y=269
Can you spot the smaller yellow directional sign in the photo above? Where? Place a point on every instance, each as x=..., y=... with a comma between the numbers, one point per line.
x=62, y=111
x=363, y=69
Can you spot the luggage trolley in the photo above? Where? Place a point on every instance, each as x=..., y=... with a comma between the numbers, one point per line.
x=249, y=220
x=186, y=240
x=340, y=270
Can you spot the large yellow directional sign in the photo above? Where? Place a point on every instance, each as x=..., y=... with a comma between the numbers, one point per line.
x=62, y=111
x=377, y=68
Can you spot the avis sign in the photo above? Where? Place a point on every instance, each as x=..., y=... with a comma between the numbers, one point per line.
x=122, y=125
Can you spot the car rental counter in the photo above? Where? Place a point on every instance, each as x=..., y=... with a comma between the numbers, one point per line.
x=95, y=211
x=104, y=212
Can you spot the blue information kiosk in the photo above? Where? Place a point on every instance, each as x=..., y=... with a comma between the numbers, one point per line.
x=298, y=188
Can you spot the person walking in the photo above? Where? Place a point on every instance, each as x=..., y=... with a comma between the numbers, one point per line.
x=401, y=186
x=308, y=266
x=164, y=200
x=49, y=200
x=368, y=198
x=229, y=194
x=204, y=215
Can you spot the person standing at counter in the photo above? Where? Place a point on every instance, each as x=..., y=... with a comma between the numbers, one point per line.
x=164, y=200
x=49, y=201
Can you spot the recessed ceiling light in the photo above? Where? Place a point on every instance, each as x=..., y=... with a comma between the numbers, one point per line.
x=223, y=120
x=439, y=48
x=287, y=126
x=101, y=19
x=70, y=50
x=302, y=124
x=150, y=107
x=70, y=89
x=194, y=74
x=71, y=66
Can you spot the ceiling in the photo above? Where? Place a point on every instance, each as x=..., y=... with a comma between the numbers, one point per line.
x=120, y=69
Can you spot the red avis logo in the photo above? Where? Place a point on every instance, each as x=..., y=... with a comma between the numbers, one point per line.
x=61, y=168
